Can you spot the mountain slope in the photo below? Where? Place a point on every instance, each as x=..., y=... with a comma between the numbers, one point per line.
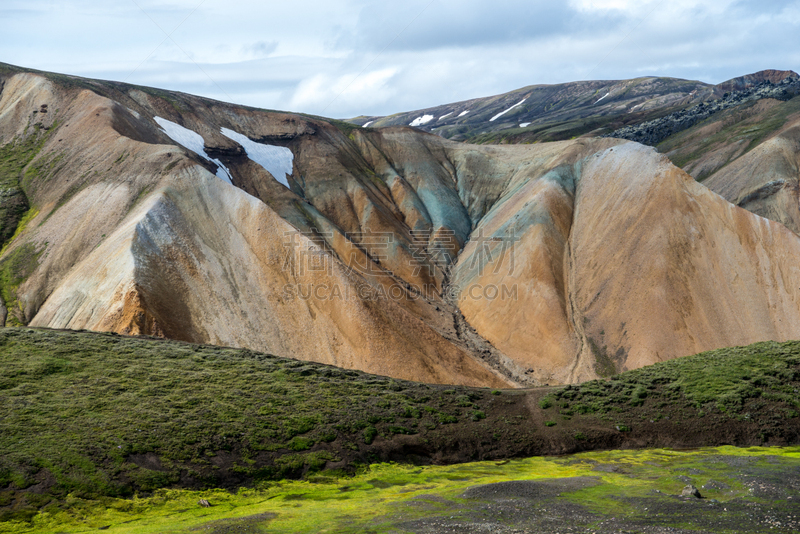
x=389, y=250
x=550, y=112
x=748, y=155
x=564, y=111
x=703, y=128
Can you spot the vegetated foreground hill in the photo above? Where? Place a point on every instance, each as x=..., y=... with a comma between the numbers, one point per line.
x=393, y=251
x=564, y=111
x=96, y=415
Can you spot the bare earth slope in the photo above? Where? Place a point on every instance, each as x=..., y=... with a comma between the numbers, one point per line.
x=749, y=155
x=392, y=251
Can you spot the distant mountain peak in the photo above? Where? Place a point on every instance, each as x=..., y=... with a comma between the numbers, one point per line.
x=749, y=80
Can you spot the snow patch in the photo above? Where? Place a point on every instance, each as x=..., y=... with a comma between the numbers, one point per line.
x=366, y=124
x=463, y=113
x=276, y=160
x=524, y=124
x=192, y=141
x=420, y=121
x=445, y=116
x=506, y=111
x=602, y=97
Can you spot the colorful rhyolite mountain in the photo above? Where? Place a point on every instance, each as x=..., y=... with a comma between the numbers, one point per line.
x=394, y=251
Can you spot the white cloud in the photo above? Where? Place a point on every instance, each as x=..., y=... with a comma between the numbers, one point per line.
x=352, y=92
x=307, y=56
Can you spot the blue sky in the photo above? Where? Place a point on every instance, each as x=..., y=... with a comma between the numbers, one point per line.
x=342, y=58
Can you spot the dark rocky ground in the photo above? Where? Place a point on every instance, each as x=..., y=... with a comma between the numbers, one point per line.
x=655, y=131
x=741, y=491
x=772, y=504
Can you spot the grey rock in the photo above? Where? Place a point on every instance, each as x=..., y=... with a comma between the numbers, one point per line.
x=653, y=132
x=691, y=491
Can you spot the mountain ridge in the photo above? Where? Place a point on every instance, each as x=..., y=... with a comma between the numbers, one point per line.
x=561, y=111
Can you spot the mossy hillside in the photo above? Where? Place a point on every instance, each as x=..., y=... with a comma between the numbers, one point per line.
x=15, y=156
x=18, y=170
x=384, y=497
x=15, y=268
x=101, y=414
x=537, y=133
x=96, y=416
x=760, y=381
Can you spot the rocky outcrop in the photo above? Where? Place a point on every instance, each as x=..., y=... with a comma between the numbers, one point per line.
x=748, y=81
x=655, y=131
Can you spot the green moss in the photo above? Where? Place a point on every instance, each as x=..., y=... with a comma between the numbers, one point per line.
x=725, y=379
x=14, y=157
x=300, y=444
x=167, y=96
x=80, y=406
x=477, y=415
x=15, y=268
x=603, y=365
x=369, y=434
x=42, y=169
x=385, y=497
x=86, y=410
x=26, y=218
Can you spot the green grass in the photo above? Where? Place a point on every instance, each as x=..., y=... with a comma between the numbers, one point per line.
x=724, y=380
x=88, y=417
x=81, y=407
x=15, y=268
x=382, y=495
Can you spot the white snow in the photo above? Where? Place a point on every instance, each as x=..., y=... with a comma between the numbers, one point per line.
x=366, y=124
x=463, y=113
x=602, y=97
x=420, y=121
x=524, y=124
x=277, y=160
x=506, y=111
x=192, y=141
x=445, y=116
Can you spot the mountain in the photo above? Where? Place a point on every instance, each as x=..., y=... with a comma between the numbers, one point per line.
x=708, y=130
x=748, y=154
x=564, y=111
x=389, y=250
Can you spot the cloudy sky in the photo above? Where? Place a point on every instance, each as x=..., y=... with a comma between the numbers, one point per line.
x=342, y=58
